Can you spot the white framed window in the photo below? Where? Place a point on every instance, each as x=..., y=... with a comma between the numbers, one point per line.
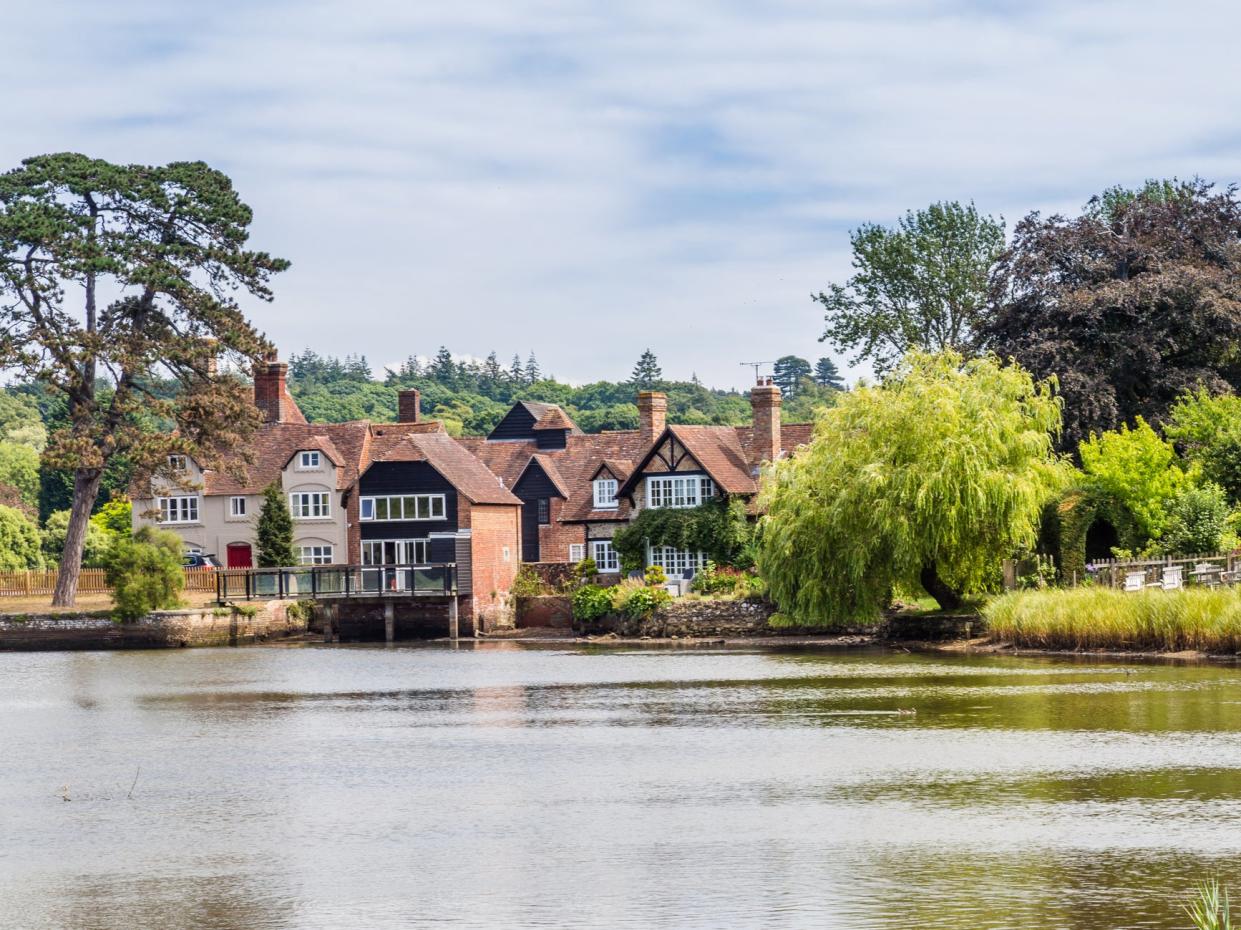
x=676, y=562
x=236, y=506
x=178, y=462
x=396, y=552
x=402, y=507
x=577, y=552
x=308, y=460
x=606, y=559
x=310, y=505
x=605, y=493
x=178, y=509
x=314, y=555
x=678, y=491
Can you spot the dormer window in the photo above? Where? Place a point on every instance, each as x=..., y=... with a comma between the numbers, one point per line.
x=177, y=462
x=309, y=460
x=605, y=493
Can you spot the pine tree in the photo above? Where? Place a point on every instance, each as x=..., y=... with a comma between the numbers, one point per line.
x=647, y=374
x=532, y=369
x=275, y=529
x=827, y=375
x=788, y=372
x=492, y=376
x=442, y=369
x=516, y=374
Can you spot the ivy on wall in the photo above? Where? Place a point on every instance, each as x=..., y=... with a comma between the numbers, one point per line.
x=720, y=528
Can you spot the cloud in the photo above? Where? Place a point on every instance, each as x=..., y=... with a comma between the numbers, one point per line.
x=587, y=180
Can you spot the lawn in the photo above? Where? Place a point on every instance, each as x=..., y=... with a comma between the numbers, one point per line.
x=86, y=603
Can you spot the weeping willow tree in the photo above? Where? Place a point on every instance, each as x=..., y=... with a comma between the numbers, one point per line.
x=927, y=480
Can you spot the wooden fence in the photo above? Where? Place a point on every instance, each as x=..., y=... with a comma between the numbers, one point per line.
x=91, y=581
x=1207, y=568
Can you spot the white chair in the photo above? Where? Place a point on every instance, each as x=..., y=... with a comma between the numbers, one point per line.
x=1172, y=578
x=1135, y=581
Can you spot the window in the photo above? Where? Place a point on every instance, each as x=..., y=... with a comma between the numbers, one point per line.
x=675, y=491
x=605, y=493
x=236, y=506
x=676, y=562
x=309, y=505
x=396, y=552
x=544, y=508
x=506, y=555
x=314, y=555
x=405, y=507
x=178, y=509
x=309, y=460
x=604, y=555
x=577, y=552
x=177, y=462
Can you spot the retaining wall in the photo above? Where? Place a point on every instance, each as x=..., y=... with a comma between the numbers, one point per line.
x=160, y=630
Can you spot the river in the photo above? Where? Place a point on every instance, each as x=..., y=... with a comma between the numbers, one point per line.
x=519, y=786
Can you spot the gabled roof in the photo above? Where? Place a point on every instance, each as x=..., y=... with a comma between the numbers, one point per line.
x=549, y=468
x=526, y=417
x=555, y=418
x=274, y=444
x=717, y=450
x=616, y=467
x=451, y=459
x=322, y=444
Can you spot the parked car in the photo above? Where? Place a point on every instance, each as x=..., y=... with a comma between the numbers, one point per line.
x=198, y=560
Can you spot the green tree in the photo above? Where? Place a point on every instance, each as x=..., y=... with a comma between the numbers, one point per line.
x=19, y=541
x=1197, y=520
x=19, y=468
x=532, y=373
x=274, y=530
x=145, y=573
x=646, y=373
x=167, y=246
x=827, y=375
x=115, y=517
x=928, y=480
x=21, y=422
x=1206, y=430
x=1131, y=304
x=788, y=372
x=921, y=285
x=1138, y=468
x=95, y=549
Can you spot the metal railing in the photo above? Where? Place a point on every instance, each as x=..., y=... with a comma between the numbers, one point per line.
x=331, y=581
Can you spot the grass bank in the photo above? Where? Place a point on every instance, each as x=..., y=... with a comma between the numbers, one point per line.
x=1204, y=619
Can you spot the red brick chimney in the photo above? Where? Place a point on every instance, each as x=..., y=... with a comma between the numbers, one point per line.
x=407, y=406
x=271, y=392
x=765, y=439
x=652, y=414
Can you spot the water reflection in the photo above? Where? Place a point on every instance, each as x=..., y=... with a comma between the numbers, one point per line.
x=515, y=786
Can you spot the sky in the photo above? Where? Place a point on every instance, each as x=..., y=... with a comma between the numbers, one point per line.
x=587, y=180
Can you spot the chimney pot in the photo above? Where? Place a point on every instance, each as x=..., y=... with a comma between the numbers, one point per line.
x=765, y=403
x=408, y=405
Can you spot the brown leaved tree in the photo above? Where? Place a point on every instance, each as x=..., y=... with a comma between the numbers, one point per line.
x=1129, y=305
x=112, y=278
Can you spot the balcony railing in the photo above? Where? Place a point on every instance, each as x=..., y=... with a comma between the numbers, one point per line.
x=332, y=581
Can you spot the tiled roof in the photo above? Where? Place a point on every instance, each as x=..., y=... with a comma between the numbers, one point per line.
x=555, y=418
x=274, y=444
x=461, y=468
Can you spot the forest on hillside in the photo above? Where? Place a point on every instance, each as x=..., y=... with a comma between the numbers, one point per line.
x=470, y=396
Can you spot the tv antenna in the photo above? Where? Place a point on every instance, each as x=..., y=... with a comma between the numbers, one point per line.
x=755, y=366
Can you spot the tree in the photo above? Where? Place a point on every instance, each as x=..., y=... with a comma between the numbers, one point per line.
x=532, y=369
x=1197, y=520
x=646, y=373
x=926, y=481
x=19, y=468
x=145, y=572
x=19, y=541
x=827, y=375
x=442, y=368
x=788, y=372
x=1130, y=305
x=274, y=530
x=168, y=245
x=516, y=374
x=94, y=550
x=1137, y=468
x=922, y=285
x=1206, y=430
x=115, y=517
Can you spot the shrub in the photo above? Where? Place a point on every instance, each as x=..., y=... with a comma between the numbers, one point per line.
x=94, y=552
x=274, y=530
x=19, y=541
x=636, y=600
x=717, y=581
x=145, y=573
x=585, y=570
x=590, y=602
x=655, y=576
x=1197, y=520
x=527, y=583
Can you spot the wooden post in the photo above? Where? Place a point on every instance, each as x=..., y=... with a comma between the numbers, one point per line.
x=389, y=622
x=452, y=619
x=1009, y=568
x=329, y=620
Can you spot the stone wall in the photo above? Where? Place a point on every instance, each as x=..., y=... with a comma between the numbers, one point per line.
x=691, y=617
x=159, y=630
x=936, y=628
x=548, y=611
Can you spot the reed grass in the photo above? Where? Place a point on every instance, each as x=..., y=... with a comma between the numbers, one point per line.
x=1204, y=619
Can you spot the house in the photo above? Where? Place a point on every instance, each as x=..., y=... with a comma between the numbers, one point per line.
x=316, y=465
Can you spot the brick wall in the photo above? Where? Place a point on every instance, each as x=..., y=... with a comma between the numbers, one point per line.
x=556, y=537
x=494, y=528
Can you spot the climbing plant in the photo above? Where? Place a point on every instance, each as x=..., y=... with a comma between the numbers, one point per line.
x=719, y=528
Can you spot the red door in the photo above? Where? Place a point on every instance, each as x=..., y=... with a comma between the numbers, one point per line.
x=239, y=555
